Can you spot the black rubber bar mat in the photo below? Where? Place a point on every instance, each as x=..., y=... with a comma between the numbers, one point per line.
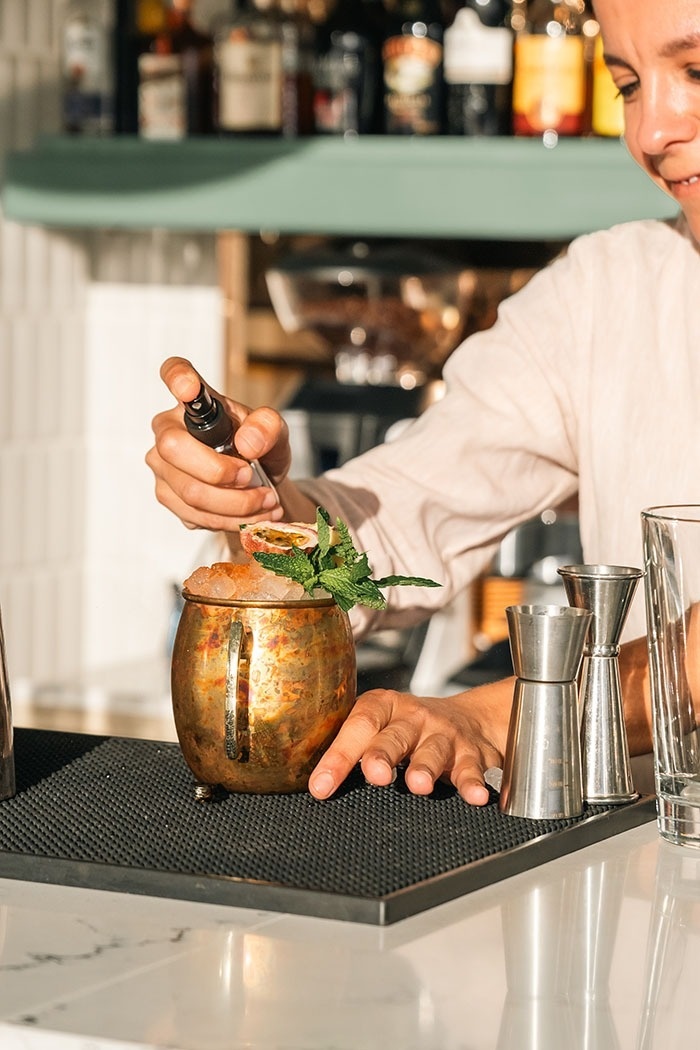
x=120, y=814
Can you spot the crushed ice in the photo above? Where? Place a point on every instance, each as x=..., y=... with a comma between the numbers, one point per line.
x=243, y=581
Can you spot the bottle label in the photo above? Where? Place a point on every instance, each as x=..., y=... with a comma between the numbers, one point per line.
x=412, y=74
x=548, y=85
x=477, y=54
x=250, y=85
x=87, y=99
x=336, y=107
x=162, y=97
x=343, y=91
x=84, y=58
x=607, y=116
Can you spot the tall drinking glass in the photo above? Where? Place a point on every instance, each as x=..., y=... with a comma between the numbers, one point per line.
x=671, y=537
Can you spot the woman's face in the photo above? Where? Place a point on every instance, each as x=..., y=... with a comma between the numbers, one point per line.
x=652, y=48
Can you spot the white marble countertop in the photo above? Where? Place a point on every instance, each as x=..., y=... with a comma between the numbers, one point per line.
x=599, y=950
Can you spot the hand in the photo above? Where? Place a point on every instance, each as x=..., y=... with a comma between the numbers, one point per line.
x=454, y=738
x=202, y=487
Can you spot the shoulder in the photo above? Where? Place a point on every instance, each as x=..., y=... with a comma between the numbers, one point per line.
x=643, y=244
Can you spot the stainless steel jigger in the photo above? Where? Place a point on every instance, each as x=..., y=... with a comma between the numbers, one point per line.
x=7, y=752
x=606, y=591
x=542, y=767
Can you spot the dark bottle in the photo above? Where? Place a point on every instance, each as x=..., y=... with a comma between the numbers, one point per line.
x=348, y=72
x=248, y=71
x=298, y=54
x=137, y=24
x=176, y=79
x=412, y=63
x=478, y=69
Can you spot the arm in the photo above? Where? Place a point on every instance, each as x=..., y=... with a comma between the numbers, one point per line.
x=636, y=695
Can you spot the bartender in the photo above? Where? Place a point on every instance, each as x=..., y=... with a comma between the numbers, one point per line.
x=577, y=388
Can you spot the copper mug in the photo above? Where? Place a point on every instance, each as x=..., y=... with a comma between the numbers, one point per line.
x=259, y=690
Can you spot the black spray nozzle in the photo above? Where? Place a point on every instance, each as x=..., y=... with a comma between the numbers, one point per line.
x=206, y=420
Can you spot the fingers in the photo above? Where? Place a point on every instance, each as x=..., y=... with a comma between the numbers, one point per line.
x=181, y=378
x=371, y=713
x=263, y=434
x=215, y=504
x=441, y=737
x=203, y=488
x=261, y=430
x=428, y=763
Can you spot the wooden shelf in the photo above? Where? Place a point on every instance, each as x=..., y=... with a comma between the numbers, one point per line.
x=502, y=189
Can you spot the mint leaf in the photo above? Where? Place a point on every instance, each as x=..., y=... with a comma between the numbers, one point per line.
x=406, y=581
x=369, y=594
x=337, y=566
x=323, y=528
x=297, y=566
x=346, y=548
x=360, y=570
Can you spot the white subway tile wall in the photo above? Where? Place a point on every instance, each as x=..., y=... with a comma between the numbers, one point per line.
x=88, y=559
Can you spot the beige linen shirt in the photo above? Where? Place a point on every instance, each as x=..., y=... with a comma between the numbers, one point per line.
x=589, y=381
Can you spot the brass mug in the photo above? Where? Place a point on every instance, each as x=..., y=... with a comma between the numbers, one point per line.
x=259, y=689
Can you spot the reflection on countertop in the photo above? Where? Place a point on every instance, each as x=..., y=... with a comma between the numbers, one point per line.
x=597, y=950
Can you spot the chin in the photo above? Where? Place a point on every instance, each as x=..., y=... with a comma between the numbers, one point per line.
x=694, y=227
x=691, y=213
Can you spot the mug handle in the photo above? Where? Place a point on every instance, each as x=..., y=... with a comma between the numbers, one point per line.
x=233, y=747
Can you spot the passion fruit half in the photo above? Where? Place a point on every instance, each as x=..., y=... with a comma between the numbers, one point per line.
x=275, y=537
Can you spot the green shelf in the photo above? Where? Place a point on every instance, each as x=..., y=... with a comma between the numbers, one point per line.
x=501, y=189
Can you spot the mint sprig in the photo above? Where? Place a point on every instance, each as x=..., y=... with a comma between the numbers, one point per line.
x=336, y=566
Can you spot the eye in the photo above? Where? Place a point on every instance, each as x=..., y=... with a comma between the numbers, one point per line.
x=628, y=89
x=694, y=73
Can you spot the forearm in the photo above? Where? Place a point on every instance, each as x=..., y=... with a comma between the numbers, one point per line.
x=636, y=695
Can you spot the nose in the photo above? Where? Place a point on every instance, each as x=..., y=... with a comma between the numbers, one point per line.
x=664, y=118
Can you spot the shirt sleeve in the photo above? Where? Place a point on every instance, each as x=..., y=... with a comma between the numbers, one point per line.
x=497, y=449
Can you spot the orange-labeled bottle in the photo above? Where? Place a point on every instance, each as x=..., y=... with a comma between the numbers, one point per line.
x=549, y=77
x=607, y=118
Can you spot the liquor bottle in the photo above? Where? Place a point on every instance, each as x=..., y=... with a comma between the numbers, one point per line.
x=298, y=54
x=87, y=68
x=248, y=71
x=607, y=118
x=478, y=69
x=175, y=96
x=137, y=24
x=348, y=72
x=412, y=62
x=549, y=78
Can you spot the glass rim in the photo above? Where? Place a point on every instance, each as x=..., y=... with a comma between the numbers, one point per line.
x=673, y=512
x=309, y=602
x=601, y=571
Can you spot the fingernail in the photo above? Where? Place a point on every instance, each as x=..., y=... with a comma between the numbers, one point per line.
x=269, y=501
x=421, y=781
x=244, y=476
x=323, y=785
